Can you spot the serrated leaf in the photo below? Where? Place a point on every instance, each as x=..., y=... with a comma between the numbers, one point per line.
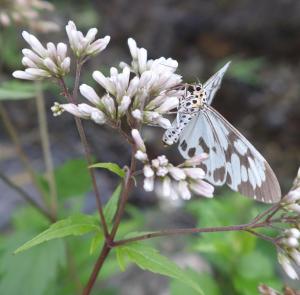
x=30, y=272
x=111, y=206
x=113, y=167
x=76, y=225
x=148, y=258
x=15, y=90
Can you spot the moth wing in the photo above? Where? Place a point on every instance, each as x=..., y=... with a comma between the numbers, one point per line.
x=213, y=84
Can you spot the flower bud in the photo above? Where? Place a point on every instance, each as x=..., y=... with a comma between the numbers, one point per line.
x=89, y=93
x=196, y=160
x=138, y=140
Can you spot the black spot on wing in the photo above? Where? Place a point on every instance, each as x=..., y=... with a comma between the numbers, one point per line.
x=203, y=144
x=183, y=145
x=191, y=152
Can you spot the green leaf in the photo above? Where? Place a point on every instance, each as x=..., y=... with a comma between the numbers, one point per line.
x=112, y=205
x=73, y=179
x=96, y=242
x=31, y=272
x=121, y=258
x=76, y=225
x=148, y=258
x=15, y=90
x=115, y=168
x=206, y=281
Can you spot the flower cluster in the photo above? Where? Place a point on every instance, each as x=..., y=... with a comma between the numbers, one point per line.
x=41, y=62
x=84, y=46
x=172, y=181
x=144, y=96
x=26, y=12
x=289, y=253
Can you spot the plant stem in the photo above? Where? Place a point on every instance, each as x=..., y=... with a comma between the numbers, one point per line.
x=184, y=231
x=15, y=138
x=27, y=197
x=108, y=244
x=88, y=159
x=125, y=194
x=44, y=134
x=103, y=255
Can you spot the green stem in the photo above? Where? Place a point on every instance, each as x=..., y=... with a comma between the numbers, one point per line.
x=44, y=134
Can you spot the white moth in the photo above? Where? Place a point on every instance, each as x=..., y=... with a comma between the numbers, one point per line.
x=232, y=158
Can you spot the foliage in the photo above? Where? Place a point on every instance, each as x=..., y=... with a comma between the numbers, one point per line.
x=148, y=258
x=240, y=261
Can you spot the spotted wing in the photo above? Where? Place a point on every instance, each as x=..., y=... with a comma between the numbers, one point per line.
x=213, y=84
x=245, y=169
x=201, y=136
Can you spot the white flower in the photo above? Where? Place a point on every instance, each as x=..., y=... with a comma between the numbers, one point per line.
x=294, y=207
x=109, y=106
x=137, y=114
x=170, y=103
x=202, y=188
x=148, y=172
x=43, y=62
x=82, y=110
x=89, y=93
x=163, y=161
x=291, y=242
x=295, y=255
x=293, y=196
x=287, y=266
x=138, y=140
x=162, y=171
x=292, y=232
x=196, y=160
x=124, y=105
x=117, y=84
x=177, y=173
x=166, y=187
x=84, y=46
x=141, y=156
x=149, y=184
x=195, y=173
x=183, y=190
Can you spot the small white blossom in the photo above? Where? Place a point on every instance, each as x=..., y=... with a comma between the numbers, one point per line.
x=124, y=105
x=148, y=172
x=195, y=173
x=137, y=114
x=292, y=232
x=149, y=184
x=138, y=140
x=287, y=266
x=43, y=62
x=295, y=255
x=177, y=173
x=89, y=93
x=166, y=187
x=294, y=207
x=183, y=190
x=141, y=156
x=170, y=103
x=84, y=46
x=293, y=196
x=196, y=160
x=202, y=188
x=109, y=106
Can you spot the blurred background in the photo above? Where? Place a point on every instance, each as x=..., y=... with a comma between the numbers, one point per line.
x=259, y=96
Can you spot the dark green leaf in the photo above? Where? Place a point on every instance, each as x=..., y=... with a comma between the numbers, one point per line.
x=148, y=258
x=73, y=226
x=115, y=168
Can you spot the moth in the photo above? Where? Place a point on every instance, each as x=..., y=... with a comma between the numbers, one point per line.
x=232, y=159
